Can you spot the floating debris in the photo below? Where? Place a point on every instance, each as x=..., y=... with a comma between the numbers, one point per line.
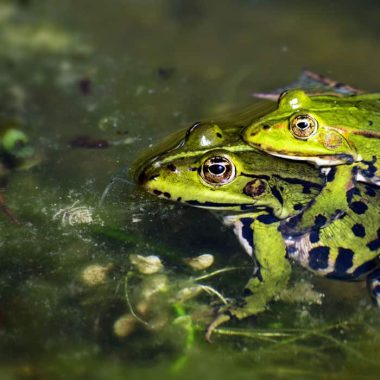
x=146, y=264
x=125, y=325
x=85, y=85
x=200, y=262
x=95, y=274
x=75, y=215
x=193, y=291
x=301, y=292
x=188, y=293
x=89, y=143
x=153, y=285
x=166, y=72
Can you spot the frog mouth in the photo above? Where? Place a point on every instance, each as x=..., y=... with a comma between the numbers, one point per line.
x=321, y=160
x=221, y=205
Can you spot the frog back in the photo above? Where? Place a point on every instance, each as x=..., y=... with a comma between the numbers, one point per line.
x=360, y=113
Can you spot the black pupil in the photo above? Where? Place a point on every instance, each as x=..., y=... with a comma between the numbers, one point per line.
x=217, y=169
x=303, y=124
x=19, y=144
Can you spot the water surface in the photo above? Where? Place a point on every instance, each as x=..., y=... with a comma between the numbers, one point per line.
x=126, y=74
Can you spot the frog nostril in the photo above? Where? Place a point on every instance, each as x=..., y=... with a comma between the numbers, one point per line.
x=142, y=177
x=145, y=174
x=257, y=130
x=171, y=167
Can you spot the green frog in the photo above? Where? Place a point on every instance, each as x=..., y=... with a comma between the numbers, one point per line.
x=16, y=152
x=214, y=168
x=337, y=131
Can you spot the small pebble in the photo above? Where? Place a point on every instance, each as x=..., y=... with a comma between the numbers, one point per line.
x=200, y=262
x=124, y=326
x=146, y=264
x=95, y=274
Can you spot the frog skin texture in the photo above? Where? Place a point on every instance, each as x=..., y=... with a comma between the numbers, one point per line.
x=214, y=168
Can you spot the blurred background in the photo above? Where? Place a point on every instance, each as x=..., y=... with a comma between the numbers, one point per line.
x=93, y=84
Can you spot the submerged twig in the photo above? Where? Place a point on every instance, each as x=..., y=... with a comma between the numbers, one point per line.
x=212, y=291
x=129, y=304
x=109, y=186
x=217, y=272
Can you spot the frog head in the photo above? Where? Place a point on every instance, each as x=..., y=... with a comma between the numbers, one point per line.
x=214, y=168
x=16, y=152
x=305, y=128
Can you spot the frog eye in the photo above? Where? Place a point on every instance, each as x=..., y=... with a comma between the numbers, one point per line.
x=218, y=171
x=303, y=126
x=14, y=140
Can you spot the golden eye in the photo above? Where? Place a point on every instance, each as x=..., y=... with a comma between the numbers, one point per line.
x=303, y=126
x=218, y=171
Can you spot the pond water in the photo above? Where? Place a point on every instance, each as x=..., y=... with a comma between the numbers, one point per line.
x=94, y=84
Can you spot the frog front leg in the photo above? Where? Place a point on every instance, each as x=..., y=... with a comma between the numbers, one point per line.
x=333, y=200
x=271, y=274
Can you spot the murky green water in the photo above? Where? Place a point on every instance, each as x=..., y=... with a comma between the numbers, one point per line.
x=129, y=72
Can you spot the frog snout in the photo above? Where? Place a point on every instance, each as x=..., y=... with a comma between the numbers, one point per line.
x=148, y=174
x=141, y=177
